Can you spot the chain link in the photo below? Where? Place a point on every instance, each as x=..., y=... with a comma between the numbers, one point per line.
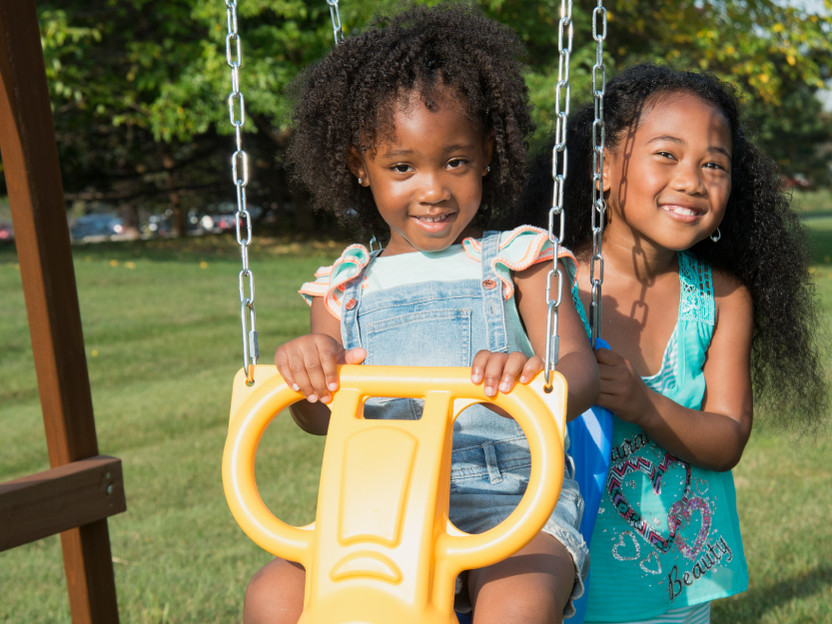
x=599, y=85
x=554, y=280
x=334, y=13
x=239, y=174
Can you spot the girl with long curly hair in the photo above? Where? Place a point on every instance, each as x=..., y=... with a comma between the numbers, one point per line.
x=706, y=294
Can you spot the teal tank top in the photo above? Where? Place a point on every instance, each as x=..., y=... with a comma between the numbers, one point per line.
x=667, y=534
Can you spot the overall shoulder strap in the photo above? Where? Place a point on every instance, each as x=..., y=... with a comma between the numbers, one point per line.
x=492, y=294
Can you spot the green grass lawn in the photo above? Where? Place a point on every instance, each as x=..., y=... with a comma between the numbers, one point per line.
x=161, y=328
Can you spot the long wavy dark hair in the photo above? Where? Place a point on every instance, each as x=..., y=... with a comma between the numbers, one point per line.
x=763, y=243
x=346, y=100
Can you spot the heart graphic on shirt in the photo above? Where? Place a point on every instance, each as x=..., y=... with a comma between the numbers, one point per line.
x=652, y=564
x=655, y=473
x=626, y=550
x=682, y=511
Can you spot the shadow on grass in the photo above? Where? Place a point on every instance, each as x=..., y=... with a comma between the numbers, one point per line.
x=750, y=606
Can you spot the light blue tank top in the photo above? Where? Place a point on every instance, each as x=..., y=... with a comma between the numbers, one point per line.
x=667, y=534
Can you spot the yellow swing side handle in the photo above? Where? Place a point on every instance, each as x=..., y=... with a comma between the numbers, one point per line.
x=393, y=542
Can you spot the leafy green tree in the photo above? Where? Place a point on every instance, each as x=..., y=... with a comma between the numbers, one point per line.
x=139, y=95
x=140, y=88
x=779, y=56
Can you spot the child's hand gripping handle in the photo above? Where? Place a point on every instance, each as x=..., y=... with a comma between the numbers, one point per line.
x=398, y=485
x=541, y=415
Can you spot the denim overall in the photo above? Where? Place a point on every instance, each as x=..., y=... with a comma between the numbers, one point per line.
x=445, y=323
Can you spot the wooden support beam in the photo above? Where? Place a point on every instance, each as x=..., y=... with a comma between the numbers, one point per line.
x=33, y=181
x=56, y=500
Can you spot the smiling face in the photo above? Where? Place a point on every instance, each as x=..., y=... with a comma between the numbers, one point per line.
x=426, y=176
x=669, y=178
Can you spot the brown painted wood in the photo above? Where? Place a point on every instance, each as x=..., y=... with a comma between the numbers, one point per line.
x=56, y=500
x=33, y=180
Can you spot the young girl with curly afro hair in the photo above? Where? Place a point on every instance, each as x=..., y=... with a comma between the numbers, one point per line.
x=415, y=131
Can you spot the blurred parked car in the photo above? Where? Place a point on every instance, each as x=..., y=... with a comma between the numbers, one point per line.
x=222, y=217
x=219, y=223
x=6, y=232
x=798, y=180
x=162, y=224
x=97, y=226
x=159, y=225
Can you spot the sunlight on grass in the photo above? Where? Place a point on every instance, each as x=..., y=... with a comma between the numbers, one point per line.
x=162, y=334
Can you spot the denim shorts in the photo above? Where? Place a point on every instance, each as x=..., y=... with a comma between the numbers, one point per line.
x=487, y=483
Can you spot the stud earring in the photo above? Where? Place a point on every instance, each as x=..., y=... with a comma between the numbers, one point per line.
x=716, y=235
x=360, y=181
x=488, y=168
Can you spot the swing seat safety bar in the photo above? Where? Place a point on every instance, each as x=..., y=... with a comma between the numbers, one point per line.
x=381, y=548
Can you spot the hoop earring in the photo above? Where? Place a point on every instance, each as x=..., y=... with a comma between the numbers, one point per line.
x=716, y=235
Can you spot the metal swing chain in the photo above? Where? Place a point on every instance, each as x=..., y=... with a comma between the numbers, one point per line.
x=239, y=173
x=554, y=280
x=335, y=14
x=338, y=32
x=599, y=86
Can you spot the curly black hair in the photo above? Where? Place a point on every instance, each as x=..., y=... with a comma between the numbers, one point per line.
x=347, y=99
x=763, y=243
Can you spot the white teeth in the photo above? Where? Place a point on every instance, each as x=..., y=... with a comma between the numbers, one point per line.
x=430, y=219
x=681, y=210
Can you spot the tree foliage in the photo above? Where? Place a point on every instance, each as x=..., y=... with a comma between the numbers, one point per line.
x=139, y=88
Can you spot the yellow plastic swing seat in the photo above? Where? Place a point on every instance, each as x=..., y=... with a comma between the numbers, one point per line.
x=381, y=549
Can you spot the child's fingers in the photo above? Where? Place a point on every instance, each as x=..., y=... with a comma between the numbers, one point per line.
x=282, y=359
x=531, y=368
x=353, y=356
x=487, y=369
x=497, y=371
x=325, y=378
x=309, y=366
x=478, y=366
x=322, y=371
x=513, y=369
x=305, y=375
x=606, y=356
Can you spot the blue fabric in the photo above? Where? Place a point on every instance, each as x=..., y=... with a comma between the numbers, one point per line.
x=590, y=437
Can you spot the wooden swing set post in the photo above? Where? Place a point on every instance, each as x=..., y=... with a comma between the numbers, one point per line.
x=82, y=489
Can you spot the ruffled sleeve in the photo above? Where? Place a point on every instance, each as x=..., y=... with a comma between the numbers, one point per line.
x=330, y=281
x=519, y=249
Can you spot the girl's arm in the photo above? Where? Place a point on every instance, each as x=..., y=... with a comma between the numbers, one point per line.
x=715, y=436
x=576, y=361
x=309, y=365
